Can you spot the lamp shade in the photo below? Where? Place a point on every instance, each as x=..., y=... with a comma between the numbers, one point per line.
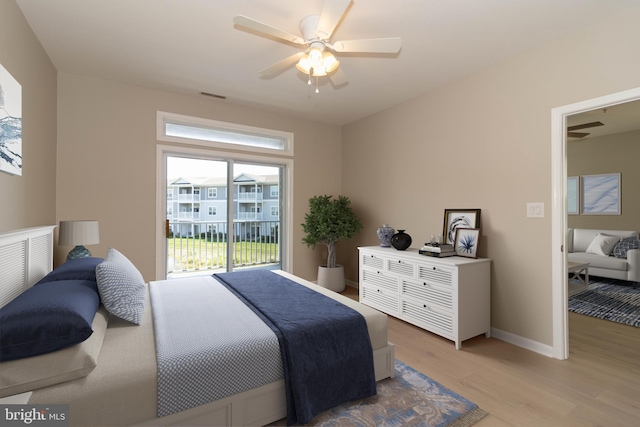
x=74, y=233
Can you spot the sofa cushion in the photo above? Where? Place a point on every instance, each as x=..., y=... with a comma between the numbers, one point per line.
x=602, y=244
x=599, y=261
x=621, y=248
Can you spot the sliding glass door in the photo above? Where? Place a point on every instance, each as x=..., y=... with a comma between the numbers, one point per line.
x=223, y=214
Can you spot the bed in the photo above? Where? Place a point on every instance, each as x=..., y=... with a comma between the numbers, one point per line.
x=116, y=382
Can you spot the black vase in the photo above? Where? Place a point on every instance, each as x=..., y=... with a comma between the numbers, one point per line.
x=401, y=240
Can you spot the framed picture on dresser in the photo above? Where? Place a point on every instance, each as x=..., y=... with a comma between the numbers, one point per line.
x=459, y=218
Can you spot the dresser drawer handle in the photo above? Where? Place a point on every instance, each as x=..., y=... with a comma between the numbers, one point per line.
x=434, y=268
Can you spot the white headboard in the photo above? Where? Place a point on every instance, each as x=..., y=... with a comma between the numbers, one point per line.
x=26, y=256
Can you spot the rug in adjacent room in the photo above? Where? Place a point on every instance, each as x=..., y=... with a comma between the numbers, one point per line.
x=409, y=399
x=609, y=299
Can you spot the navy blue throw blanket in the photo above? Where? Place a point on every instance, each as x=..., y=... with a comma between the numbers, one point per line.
x=326, y=351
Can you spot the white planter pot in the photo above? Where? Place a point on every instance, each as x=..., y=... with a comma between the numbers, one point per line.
x=331, y=278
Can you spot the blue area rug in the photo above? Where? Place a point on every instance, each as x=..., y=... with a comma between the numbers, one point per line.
x=609, y=299
x=409, y=399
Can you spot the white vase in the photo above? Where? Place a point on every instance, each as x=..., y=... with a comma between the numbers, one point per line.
x=331, y=278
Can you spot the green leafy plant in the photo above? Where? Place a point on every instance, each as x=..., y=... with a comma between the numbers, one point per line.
x=328, y=221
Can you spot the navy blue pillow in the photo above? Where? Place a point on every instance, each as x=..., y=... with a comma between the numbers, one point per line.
x=79, y=268
x=47, y=318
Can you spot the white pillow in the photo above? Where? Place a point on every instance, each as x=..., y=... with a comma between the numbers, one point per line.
x=602, y=244
x=121, y=287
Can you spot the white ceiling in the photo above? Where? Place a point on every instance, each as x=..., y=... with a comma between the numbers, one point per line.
x=192, y=46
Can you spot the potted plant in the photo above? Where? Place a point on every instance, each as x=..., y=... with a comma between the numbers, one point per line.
x=328, y=221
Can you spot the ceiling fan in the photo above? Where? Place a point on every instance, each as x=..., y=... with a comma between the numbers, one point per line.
x=571, y=129
x=317, y=59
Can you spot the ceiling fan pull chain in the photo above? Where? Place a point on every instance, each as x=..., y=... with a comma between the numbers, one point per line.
x=317, y=90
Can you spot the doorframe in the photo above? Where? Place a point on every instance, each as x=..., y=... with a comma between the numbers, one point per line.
x=286, y=213
x=559, y=209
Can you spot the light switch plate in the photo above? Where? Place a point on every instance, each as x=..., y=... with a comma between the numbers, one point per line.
x=535, y=210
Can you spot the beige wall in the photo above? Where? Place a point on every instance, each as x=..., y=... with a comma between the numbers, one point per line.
x=107, y=162
x=29, y=200
x=485, y=142
x=609, y=154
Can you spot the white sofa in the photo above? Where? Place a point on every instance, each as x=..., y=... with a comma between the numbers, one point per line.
x=579, y=239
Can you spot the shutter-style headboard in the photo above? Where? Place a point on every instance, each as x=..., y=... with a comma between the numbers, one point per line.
x=26, y=256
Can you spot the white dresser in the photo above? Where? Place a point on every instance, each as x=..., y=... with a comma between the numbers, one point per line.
x=450, y=296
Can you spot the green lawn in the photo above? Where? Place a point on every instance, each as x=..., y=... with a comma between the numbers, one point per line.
x=199, y=254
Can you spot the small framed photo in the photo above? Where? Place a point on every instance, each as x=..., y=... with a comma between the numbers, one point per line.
x=459, y=218
x=466, y=243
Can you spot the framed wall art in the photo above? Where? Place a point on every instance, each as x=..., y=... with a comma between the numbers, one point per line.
x=10, y=124
x=601, y=194
x=459, y=218
x=573, y=195
x=466, y=242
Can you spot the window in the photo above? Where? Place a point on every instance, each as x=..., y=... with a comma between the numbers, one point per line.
x=274, y=211
x=169, y=193
x=212, y=210
x=274, y=191
x=169, y=211
x=196, y=191
x=212, y=193
x=212, y=133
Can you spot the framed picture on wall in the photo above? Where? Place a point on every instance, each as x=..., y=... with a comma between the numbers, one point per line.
x=601, y=194
x=573, y=195
x=466, y=242
x=459, y=218
x=10, y=124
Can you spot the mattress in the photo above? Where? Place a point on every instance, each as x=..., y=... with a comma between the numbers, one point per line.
x=122, y=389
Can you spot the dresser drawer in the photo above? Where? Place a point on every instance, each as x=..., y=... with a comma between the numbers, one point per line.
x=436, y=274
x=371, y=260
x=426, y=293
x=379, y=298
x=427, y=317
x=379, y=279
x=401, y=268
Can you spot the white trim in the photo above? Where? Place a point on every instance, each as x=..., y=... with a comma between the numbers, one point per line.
x=164, y=117
x=559, y=209
x=162, y=151
x=519, y=341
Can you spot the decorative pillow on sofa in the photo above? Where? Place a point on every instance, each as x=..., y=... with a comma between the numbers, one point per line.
x=32, y=373
x=79, y=268
x=602, y=244
x=621, y=248
x=121, y=287
x=47, y=318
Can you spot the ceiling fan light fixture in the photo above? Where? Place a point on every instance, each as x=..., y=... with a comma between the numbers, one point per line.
x=315, y=56
x=304, y=65
x=319, y=71
x=330, y=62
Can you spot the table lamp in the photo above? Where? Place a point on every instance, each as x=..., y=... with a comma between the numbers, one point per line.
x=78, y=234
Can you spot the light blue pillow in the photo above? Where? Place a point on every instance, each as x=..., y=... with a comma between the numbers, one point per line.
x=121, y=287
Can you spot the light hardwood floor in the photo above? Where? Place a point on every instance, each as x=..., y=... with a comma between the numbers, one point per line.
x=599, y=385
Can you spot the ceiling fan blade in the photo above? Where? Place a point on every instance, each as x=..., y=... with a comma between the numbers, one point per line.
x=282, y=65
x=387, y=45
x=332, y=13
x=577, y=134
x=260, y=27
x=585, y=126
x=338, y=77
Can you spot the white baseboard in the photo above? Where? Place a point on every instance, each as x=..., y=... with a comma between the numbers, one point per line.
x=352, y=284
x=544, y=349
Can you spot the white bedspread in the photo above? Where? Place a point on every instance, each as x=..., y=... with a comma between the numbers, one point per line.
x=210, y=345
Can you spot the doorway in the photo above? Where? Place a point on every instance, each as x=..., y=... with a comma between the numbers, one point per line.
x=559, y=118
